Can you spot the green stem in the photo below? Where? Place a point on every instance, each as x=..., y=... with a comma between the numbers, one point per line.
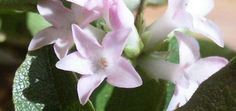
x=139, y=20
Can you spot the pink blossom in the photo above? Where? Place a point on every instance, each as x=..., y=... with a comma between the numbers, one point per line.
x=188, y=74
x=116, y=14
x=96, y=62
x=185, y=14
x=59, y=33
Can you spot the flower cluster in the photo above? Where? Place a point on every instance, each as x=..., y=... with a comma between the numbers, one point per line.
x=97, y=58
x=98, y=54
x=192, y=70
x=188, y=74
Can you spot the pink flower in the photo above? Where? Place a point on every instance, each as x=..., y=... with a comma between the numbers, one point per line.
x=183, y=14
x=96, y=62
x=195, y=70
x=116, y=14
x=59, y=33
x=188, y=74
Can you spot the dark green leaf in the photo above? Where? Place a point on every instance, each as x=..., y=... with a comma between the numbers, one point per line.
x=218, y=93
x=149, y=97
x=18, y=5
x=38, y=85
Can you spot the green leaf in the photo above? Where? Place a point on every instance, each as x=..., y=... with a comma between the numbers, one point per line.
x=209, y=48
x=101, y=96
x=173, y=51
x=218, y=93
x=149, y=97
x=38, y=85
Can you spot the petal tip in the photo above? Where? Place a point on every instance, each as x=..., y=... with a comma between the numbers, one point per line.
x=58, y=65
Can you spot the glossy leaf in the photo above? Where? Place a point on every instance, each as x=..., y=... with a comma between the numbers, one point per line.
x=38, y=85
x=149, y=97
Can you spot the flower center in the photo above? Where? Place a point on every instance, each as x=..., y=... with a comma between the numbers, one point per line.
x=102, y=63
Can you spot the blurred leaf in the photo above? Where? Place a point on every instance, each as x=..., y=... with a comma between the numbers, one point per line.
x=38, y=85
x=218, y=93
x=25, y=5
x=13, y=30
x=36, y=23
x=139, y=19
x=0, y=23
x=14, y=24
x=2, y=37
x=21, y=5
x=101, y=24
x=208, y=48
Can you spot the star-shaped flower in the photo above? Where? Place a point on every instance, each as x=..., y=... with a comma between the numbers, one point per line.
x=96, y=62
x=188, y=74
x=116, y=14
x=59, y=33
x=182, y=14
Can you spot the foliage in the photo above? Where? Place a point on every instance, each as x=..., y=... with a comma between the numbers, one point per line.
x=38, y=85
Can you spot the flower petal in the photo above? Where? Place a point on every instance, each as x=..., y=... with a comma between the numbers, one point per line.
x=55, y=12
x=183, y=19
x=119, y=15
x=123, y=75
x=95, y=32
x=74, y=62
x=200, y=8
x=43, y=38
x=84, y=16
x=86, y=85
x=188, y=49
x=174, y=5
x=79, y=2
x=159, y=68
x=61, y=47
x=159, y=30
x=204, y=68
x=209, y=29
x=182, y=81
x=170, y=21
x=85, y=43
x=114, y=42
x=181, y=96
x=89, y=4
